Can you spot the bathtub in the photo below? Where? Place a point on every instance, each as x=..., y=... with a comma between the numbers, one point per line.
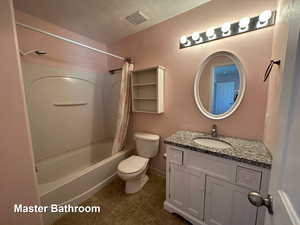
x=73, y=177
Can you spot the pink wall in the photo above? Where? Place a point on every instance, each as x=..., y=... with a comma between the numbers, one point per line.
x=158, y=45
x=59, y=53
x=18, y=182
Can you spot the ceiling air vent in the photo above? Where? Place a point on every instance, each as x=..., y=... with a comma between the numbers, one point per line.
x=137, y=18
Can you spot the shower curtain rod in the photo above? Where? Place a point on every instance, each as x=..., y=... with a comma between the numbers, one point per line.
x=70, y=41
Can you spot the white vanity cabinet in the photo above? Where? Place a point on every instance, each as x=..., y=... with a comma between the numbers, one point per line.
x=210, y=190
x=195, y=187
x=227, y=204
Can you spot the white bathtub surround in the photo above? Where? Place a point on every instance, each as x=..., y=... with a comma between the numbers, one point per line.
x=133, y=170
x=111, y=95
x=60, y=100
x=72, y=132
x=124, y=109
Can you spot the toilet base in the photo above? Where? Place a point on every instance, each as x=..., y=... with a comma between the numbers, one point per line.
x=133, y=186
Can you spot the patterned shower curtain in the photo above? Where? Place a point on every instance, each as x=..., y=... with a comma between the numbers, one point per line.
x=124, y=109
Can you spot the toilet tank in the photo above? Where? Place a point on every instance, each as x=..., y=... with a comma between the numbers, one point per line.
x=147, y=145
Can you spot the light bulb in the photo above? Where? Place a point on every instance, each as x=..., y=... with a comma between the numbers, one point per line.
x=226, y=28
x=196, y=36
x=244, y=23
x=265, y=16
x=183, y=39
x=210, y=33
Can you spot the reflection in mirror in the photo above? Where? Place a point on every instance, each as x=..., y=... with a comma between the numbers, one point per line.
x=218, y=85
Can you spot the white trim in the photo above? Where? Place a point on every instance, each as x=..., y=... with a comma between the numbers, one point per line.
x=293, y=215
x=241, y=92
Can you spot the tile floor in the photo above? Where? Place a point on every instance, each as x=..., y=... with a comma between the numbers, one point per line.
x=118, y=208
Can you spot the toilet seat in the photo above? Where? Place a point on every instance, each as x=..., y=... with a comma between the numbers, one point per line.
x=133, y=164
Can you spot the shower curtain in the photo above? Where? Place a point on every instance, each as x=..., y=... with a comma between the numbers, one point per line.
x=124, y=109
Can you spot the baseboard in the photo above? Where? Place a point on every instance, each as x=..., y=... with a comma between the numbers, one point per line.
x=173, y=209
x=50, y=218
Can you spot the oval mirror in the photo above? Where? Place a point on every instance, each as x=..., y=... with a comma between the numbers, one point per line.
x=219, y=85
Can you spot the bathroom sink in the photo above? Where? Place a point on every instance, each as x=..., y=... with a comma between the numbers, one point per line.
x=212, y=143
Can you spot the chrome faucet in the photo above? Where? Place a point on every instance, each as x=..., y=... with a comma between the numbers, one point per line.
x=214, y=131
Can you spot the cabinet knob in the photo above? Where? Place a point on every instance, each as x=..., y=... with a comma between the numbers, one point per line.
x=257, y=200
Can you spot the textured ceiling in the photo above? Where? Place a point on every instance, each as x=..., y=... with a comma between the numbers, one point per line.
x=104, y=20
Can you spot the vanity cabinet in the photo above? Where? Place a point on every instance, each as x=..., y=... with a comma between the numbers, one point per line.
x=177, y=175
x=209, y=190
x=186, y=190
x=195, y=183
x=179, y=195
x=227, y=204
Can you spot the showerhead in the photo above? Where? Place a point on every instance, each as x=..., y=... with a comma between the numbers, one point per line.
x=38, y=52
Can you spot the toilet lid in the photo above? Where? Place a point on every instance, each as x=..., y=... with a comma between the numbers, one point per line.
x=133, y=164
x=146, y=136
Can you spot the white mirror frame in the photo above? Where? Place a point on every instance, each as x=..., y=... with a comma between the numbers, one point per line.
x=239, y=99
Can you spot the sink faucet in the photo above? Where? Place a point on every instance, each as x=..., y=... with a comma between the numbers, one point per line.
x=214, y=132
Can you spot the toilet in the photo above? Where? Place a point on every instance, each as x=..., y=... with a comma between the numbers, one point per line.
x=133, y=169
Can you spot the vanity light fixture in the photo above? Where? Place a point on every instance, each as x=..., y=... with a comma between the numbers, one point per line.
x=228, y=29
x=244, y=24
x=185, y=41
x=196, y=37
x=264, y=18
x=210, y=33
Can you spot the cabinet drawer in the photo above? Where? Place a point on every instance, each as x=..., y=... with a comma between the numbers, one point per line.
x=175, y=156
x=210, y=165
x=248, y=177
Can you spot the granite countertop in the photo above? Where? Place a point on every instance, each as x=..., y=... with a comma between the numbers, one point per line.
x=246, y=151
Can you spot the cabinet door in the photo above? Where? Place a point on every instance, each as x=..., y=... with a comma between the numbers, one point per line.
x=227, y=204
x=195, y=183
x=177, y=185
x=243, y=213
x=217, y=202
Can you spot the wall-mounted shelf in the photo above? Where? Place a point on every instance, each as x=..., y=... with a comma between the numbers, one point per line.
x=148, y=90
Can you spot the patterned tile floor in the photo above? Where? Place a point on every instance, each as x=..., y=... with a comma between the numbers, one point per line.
x=118, y=208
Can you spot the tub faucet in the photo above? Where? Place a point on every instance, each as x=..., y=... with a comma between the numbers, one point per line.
x=214, y=132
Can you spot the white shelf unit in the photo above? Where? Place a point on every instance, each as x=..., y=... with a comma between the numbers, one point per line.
x=148, y=90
